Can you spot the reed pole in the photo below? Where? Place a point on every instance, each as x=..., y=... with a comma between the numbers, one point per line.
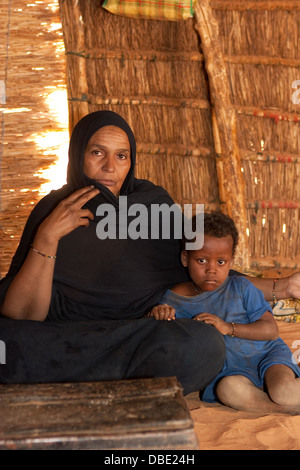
x=229, y=169
x=72, y=22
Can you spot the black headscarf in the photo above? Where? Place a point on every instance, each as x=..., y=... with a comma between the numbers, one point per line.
x=141, y=191
x=81, y=135
x=111, y=278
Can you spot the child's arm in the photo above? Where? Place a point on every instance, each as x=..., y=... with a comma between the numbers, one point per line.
x=264, y=329
x=162, y=312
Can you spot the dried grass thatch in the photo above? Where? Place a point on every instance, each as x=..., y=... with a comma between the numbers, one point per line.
x=260, y=44
x=32, y=66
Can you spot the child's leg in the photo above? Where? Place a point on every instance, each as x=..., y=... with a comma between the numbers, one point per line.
x=240, y=393
x=282, y=385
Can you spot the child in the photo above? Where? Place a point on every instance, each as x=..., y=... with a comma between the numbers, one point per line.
x=255, y=356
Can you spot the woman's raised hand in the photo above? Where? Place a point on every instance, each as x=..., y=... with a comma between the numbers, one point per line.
x=67, y=215
x=162, y=312
x=29, y=294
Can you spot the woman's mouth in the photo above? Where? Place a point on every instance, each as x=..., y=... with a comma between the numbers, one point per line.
x=106, y=182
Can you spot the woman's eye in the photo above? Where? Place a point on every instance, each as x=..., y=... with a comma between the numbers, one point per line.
x=122, y=156
x=96, y=152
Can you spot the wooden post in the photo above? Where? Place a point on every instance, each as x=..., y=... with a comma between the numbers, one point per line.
x=76, y=63
x=230, y=177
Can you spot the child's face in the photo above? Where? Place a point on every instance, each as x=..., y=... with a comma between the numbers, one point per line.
x=209, y=267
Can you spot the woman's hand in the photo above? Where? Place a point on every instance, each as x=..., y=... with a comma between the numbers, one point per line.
x=285, y=287
x=67, y=216
x=292, y=286
x=222, y=326
x=29, y=295
x=163, y=312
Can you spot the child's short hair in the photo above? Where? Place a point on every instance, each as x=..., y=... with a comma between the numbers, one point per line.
x=219, y=225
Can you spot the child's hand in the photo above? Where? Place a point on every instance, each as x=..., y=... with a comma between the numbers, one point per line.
x=163, y=312
x=221, y=325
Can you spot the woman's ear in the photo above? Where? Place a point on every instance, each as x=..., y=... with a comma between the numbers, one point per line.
x=184, y=258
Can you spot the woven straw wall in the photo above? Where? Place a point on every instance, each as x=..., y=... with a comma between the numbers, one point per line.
x=32, y=66
x=260, y=43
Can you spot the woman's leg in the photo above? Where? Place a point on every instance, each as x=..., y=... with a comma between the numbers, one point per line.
x=43, y=352
x=194, y=352
x=240, y=393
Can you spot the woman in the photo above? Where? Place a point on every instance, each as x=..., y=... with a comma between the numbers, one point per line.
x=64, y=274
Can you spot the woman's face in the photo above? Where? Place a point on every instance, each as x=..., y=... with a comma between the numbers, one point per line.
x=107, y=158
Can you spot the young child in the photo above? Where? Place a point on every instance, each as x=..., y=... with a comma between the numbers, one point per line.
x=259, y=373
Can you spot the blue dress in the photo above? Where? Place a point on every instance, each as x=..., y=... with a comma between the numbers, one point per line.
x=236, y=300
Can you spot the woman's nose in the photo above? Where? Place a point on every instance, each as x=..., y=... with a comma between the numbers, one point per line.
x=108, y=164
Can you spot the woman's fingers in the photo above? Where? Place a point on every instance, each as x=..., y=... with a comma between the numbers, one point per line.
x=69, y=214
x=74, y=203
x=82, y=195
x=86, y=213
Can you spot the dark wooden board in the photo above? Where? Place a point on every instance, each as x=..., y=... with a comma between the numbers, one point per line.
x=129, y=414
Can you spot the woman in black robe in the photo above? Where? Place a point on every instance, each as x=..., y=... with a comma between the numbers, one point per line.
x=74, y=306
